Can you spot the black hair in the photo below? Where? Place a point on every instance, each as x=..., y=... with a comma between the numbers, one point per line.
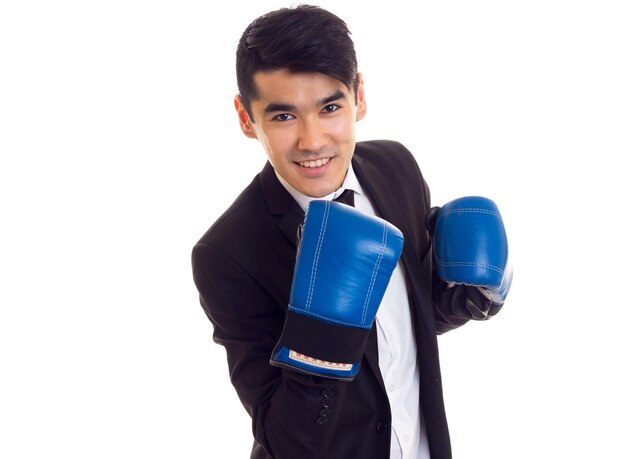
x=301, y=39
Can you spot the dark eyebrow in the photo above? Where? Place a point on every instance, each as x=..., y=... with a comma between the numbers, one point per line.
x=278, y=107
x=338, y=94
x=282, y=107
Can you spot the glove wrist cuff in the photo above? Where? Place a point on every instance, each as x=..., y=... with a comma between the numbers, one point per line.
x=318, y=344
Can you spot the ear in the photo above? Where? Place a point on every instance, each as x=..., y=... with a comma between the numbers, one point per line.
x=361, y=105
x=244, y=119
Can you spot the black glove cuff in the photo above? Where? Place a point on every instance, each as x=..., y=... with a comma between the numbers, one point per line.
x=323, y=340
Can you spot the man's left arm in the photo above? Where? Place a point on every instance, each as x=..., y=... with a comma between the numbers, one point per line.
x=453, y=242
x=472, y=274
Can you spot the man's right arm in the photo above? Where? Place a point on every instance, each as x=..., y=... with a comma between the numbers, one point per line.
x=293, y=414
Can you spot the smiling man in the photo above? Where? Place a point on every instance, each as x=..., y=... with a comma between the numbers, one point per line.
x=306, y=124
x=330, y=322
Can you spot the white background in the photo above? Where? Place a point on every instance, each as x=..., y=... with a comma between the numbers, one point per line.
x=119, y=147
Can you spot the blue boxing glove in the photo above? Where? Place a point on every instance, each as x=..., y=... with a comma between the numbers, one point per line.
x=471, y=246
x=344, y=262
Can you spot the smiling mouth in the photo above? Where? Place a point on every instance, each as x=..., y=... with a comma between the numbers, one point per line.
x=316, y=163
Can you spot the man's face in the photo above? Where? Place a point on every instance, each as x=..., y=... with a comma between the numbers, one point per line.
x=306, y=124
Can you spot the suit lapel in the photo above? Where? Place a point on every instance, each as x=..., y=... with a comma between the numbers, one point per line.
x=280, y=204
x=382, y=197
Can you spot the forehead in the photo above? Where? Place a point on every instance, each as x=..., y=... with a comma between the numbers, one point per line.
x=288, y=87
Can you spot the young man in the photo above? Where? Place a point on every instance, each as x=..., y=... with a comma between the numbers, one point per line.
x=320, y=381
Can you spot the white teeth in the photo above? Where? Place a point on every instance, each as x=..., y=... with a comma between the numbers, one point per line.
x=316, y=163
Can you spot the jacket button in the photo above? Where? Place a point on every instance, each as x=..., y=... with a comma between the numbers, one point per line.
x=322, y=420
x=381, y=427
x=325, y=412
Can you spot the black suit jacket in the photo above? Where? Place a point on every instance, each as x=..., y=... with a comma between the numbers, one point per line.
x=243, y=268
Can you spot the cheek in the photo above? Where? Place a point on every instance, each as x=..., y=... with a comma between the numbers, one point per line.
x=276, y=144
x=342, y=128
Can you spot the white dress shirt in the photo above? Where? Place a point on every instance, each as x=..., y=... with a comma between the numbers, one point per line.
x=397, y=352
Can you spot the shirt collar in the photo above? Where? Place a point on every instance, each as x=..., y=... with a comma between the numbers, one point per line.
x=350, y=182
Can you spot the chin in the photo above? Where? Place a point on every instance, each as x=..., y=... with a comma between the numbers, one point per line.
x=316, y=192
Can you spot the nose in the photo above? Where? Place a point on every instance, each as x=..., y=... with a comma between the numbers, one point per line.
x=312, y=135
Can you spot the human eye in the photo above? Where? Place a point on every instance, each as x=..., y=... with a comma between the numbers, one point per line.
x=330, y=108
x=283, y=117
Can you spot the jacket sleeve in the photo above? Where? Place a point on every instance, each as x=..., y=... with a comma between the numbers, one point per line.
x=293, y=414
